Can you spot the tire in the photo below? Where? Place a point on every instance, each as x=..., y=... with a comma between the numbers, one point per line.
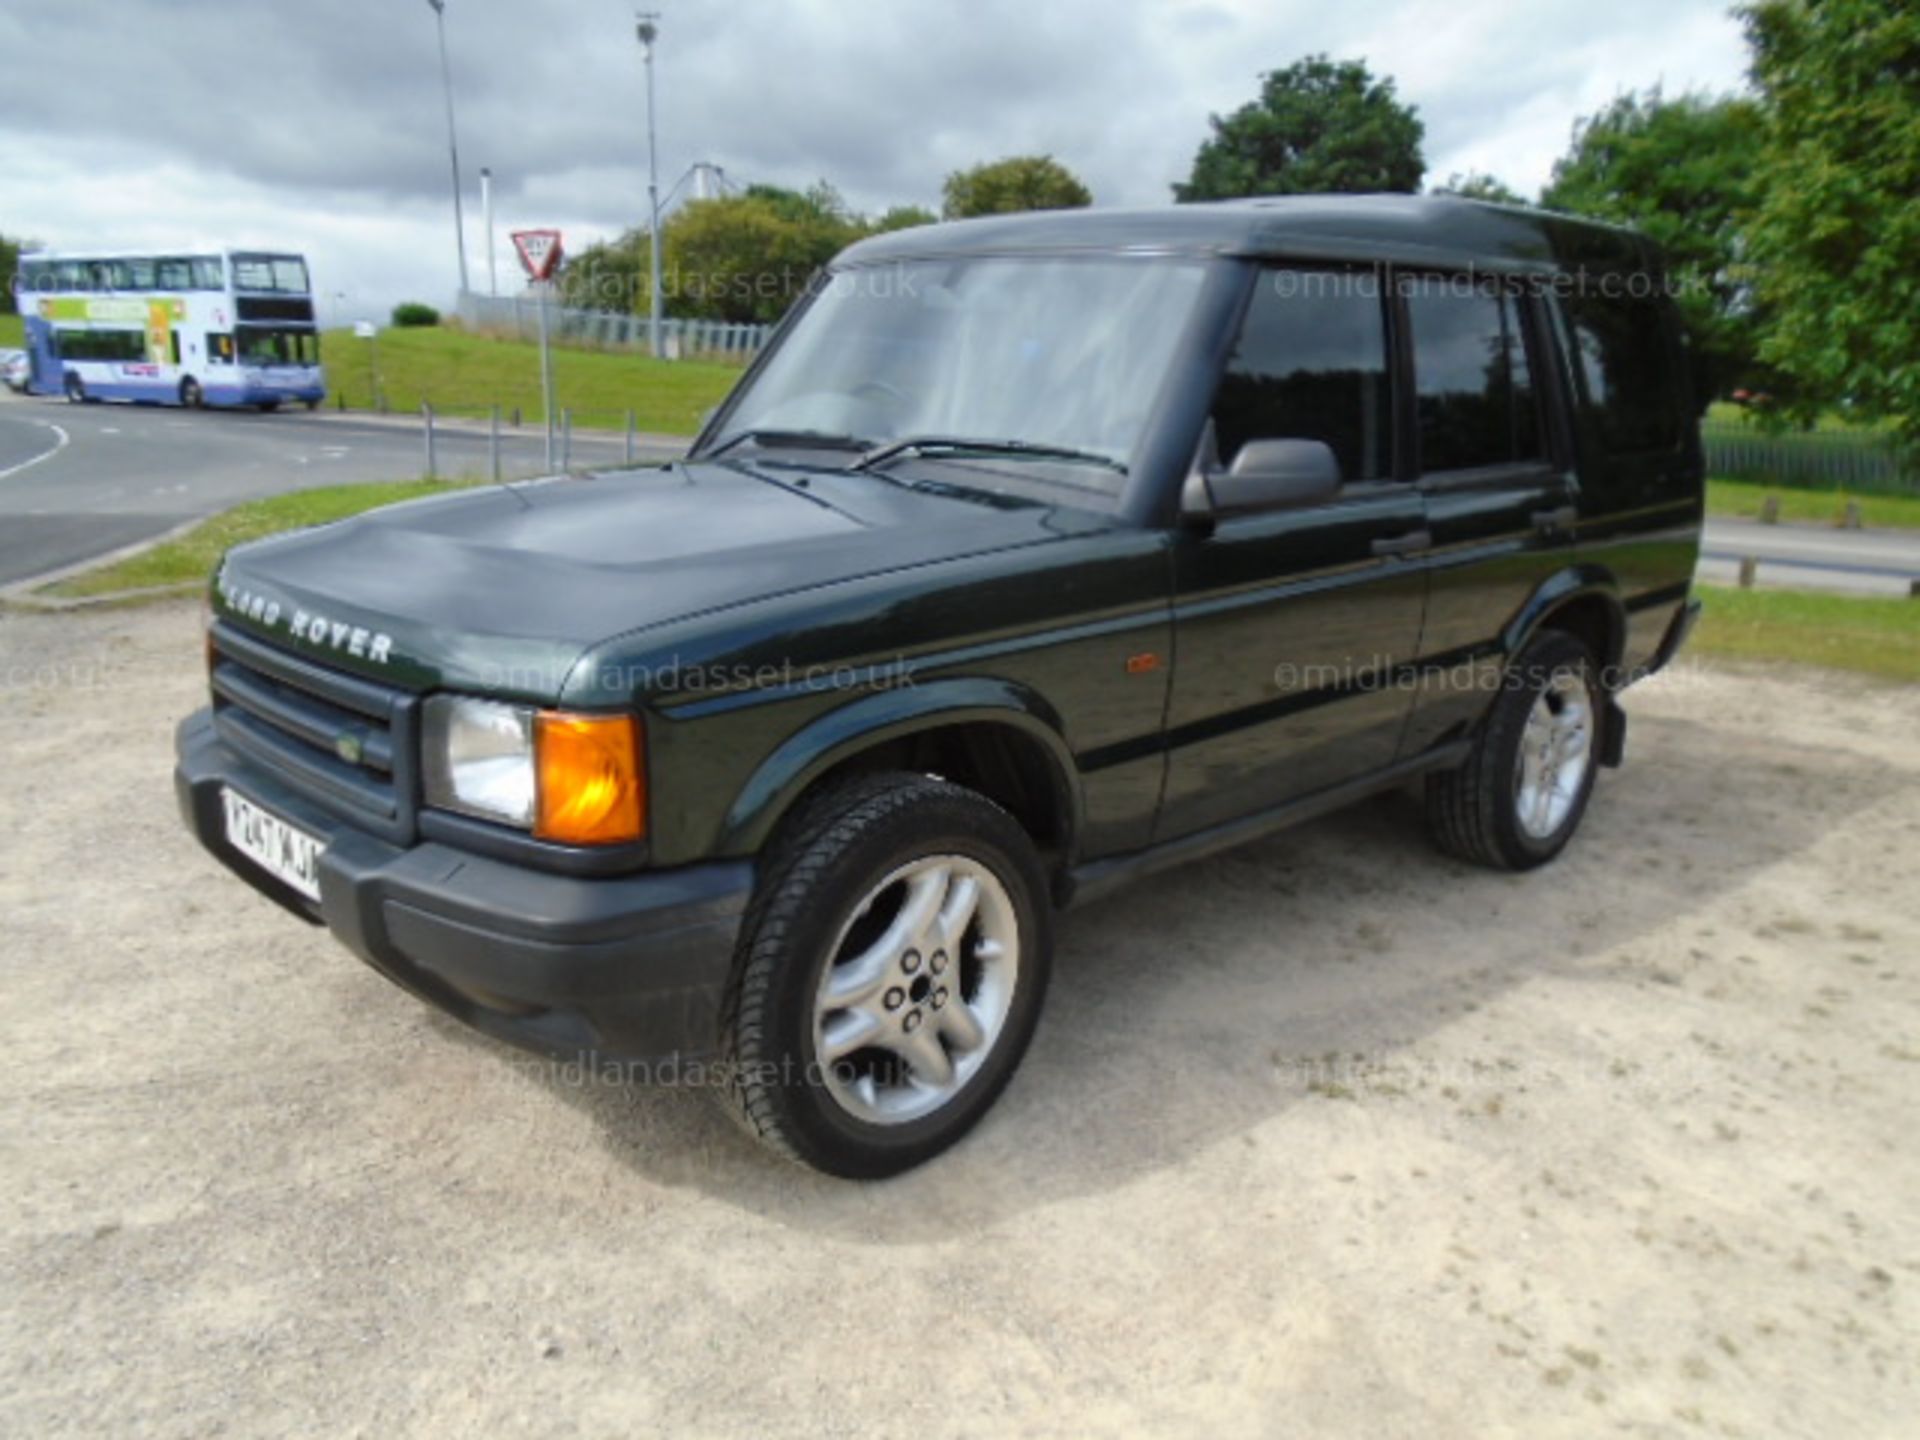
x=191, y=395
x=1516, y=801
x=311, y=405
x=267, y=407
x=76, y=389
x=870, y=870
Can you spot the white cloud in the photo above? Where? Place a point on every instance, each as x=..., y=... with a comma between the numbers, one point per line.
x=320, y=127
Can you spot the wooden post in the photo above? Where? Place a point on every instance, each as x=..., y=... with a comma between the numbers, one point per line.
x=1851, y=520
x=1749, y=567
x=433, y=466
x=1770, y=510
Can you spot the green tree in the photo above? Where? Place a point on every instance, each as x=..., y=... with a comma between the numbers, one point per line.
x=1684, y=172
x=1835, y=240
x=609, y=274
x=1319, y=126
x=904, y=217
x=746, y=258
x=1478, y=185
x=1020, y=182
x=9, y=273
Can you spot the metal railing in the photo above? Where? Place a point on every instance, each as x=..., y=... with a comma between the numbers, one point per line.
x=519, y=316
x=1816, y=460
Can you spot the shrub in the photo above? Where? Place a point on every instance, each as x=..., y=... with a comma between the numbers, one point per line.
x=412, y=314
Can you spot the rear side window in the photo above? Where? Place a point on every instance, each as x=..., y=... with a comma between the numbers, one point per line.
x=1473, y=387
x=1624, y=362
x=1311, y=364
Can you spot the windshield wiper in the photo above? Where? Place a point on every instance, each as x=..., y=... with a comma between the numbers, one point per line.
x=766, y=439
x=924, y=444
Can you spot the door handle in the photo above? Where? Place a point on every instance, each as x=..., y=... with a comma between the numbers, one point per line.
x=1549, y=522
x=1408, y=544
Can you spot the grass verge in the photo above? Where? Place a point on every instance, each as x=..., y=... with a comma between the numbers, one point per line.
x=13, y=333
x=1846, y=632
x=464, y=374
x=190, y=558
x=1819, y=507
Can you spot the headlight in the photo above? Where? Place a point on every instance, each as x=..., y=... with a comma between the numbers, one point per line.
x=576, y=779
x=479, y=758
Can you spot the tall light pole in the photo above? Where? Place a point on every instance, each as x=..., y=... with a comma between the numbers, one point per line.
x=648, y=29
x=453, y=141
x=486, y=207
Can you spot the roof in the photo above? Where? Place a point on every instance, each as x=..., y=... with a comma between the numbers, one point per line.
x=1437, y=229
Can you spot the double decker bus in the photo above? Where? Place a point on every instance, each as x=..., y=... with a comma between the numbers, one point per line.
x=232, y=329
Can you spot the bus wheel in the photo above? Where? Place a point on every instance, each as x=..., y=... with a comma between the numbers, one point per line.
x=76, y=389
x=190, y=395
x=313, y=404
x=267, y=407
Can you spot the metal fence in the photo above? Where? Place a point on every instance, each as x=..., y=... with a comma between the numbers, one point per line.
x=519, y=316
x=1814, y=460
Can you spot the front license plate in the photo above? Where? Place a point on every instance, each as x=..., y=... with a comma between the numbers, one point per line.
x=282, y=850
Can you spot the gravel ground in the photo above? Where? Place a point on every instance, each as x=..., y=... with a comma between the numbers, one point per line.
x=1328, y=1136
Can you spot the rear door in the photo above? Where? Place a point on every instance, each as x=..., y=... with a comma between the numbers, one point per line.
x=1290, y=625
x=1497, y=480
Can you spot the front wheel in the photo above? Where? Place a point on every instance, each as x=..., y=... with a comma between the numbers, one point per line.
x=191, y=395
x=1516, y=801
x=889, y=977
x=76, y=389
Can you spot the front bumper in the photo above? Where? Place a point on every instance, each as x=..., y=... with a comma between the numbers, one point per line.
x=629, y=967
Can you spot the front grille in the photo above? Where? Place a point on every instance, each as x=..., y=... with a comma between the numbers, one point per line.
x=345, y=743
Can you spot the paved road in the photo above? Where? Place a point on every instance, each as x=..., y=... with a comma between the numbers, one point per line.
x=1874, y=562
x=78, y=481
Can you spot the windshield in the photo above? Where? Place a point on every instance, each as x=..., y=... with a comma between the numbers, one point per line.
x=284, y=274
x=261, y=346
x=1067, y=353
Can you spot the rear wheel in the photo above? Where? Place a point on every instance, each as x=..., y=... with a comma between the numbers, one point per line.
x=889, y=978
x=267, y=407
x=190, y=394
x=1521, y=793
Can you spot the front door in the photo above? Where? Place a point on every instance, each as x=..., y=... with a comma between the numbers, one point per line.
x=1291, y=627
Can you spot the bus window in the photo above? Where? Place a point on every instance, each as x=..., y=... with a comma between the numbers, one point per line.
x=220, y=349
x=72, y=275
x=210, y=273
x=174, y=337
x=175, y=275
x=123, y=346
x=279, y=347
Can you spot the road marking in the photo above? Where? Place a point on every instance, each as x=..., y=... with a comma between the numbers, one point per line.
x=60, y=444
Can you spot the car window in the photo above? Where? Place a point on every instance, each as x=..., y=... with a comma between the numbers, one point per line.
x=1473, y=387
x=1624, y=364
x=1310, y=363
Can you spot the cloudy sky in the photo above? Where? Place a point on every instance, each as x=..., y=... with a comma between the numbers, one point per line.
x=319, y=126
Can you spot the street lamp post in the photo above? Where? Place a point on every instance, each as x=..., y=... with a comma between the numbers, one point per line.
x=453, y=141
x=648, y=29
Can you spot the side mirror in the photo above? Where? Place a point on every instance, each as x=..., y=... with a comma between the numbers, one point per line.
x=1265, y=475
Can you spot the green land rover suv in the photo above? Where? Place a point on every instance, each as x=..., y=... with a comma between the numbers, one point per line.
x=1035, y=553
